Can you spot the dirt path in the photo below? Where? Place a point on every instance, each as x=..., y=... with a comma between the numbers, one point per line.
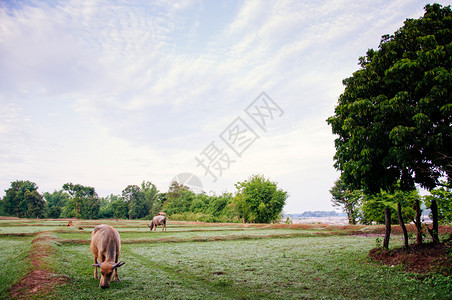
x=40, y=280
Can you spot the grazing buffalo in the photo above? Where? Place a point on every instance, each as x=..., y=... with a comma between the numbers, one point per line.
x=106, y=248
x=156, y=221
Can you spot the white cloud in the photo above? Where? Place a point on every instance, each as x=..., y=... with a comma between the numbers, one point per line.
x=109, y=93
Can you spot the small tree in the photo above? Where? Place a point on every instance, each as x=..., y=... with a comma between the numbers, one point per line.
x=349, y=200
x=442, y=197
x=259, y=200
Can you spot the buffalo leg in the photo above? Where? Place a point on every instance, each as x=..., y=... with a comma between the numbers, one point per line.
x=96, y=276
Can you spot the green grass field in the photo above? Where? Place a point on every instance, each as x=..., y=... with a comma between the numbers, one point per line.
x=211, y=261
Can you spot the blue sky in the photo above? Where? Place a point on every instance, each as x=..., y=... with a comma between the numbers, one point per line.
x=111, y=93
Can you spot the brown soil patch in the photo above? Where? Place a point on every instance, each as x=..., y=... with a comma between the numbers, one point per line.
x=8, y=218
x=423, y=259
x=40, y=280
x=354, y=229
x=17, y=234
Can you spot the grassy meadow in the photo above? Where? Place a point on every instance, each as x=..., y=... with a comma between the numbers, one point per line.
x=214, y=261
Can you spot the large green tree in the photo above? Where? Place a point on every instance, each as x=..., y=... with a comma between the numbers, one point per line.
x=151, y=203
x=120, y=208
x=178, y=199
x=55, y=203
x=135, y=202
x=140, y=199
x=23, y=200
x=259, y=200
x=83, y=202
x=394, y=119
x=106, y=210
x=134, y=198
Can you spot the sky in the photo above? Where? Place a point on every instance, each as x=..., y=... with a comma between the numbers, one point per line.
x=111, y=93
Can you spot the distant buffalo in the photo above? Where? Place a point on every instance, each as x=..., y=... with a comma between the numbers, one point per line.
x=156, y=221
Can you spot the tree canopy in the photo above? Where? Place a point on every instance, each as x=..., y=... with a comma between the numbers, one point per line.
x=394, y=119
x=259, y=200
x=23, y=200
x=83, y=201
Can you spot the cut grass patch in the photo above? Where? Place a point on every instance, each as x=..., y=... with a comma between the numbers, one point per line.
x=13, y=261
x=333, y=267
x=217, y=261
x=40, y=280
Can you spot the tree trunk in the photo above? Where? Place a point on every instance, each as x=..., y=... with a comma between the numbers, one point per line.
x=387, y=227
x=350, y=215
x=402, y=224
x=351, y=220
x=434, y=231
x=418, y=223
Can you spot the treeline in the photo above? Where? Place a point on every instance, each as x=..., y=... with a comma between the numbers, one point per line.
x=257, y=200
x=369, y=208
x=318, y=214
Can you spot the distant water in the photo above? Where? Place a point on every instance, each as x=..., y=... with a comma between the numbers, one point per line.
x=338, y=220
x=322, y=220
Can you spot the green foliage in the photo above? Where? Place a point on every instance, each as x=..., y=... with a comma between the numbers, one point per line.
x=157, y=204
x=258, y=200
x=139, y=199
x=106, y=209
x=183, y=204
x=178, y=199
x=202, y=217
x=36, y=204
x=393, y=120
x=443, y=197
x=55, y=203
x=83, y=202
x=180, y=203
x=138, y=208
x=349, y=200
x=150, y=203
x=22, y=199
x=135, y=202
x=373, y=206
x=120, y=208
